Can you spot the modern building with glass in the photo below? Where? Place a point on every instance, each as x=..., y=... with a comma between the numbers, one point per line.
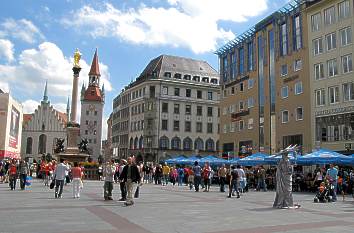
x=265, y=86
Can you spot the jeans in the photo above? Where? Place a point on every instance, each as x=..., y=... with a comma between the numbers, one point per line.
x=13, y=179
x=108, y=187
x=23, y=181
x=334, y=183
x=165, y=179
x=76, y=187
x=59, y=187
x=123, y=190
x=234, y=188
x=130, y=185
x=197, y=181
x=180, y=180
x=222, y=184
x=261, y=185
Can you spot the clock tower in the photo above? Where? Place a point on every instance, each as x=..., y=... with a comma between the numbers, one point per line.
x=92, y=102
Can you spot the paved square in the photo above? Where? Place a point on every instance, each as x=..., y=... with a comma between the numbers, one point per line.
x=165, y=209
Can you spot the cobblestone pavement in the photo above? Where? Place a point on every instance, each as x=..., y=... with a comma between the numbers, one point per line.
x=164, y=209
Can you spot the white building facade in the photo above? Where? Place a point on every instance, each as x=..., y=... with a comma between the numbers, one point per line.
x=42, y=129
x=10, y=127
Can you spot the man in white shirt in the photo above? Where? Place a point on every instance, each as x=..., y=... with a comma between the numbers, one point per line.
x=241, y=178
x=59, y=176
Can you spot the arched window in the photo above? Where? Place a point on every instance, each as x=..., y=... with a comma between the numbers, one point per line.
x=42, y=144
x=209, y=145
x=176, y=143
x=131, y=143
x=29, y=145
x=164, y=143
x=136, y=141
x=187, y=144
x=198, y=144
x=141, y=142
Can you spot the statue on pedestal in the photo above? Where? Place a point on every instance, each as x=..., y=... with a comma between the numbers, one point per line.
x=284, y=196
x=83, y=146
x=59, y=147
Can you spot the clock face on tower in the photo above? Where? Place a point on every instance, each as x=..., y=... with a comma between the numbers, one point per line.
x=91, y=127
x=92, y=108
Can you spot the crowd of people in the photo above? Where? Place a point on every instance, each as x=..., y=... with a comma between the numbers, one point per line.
x=131, y=175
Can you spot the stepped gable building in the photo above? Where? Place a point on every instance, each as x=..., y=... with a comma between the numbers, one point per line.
x=92, y=102
x=170, y=109
x=42, y=128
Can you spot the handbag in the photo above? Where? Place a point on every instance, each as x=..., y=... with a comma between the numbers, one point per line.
x=136, y=194
x=52, y=184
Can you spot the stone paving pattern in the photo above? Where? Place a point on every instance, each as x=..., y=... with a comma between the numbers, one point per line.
x=164, y=209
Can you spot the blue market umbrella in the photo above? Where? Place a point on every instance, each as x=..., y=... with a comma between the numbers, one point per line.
x=253, y=160
x=324, y=156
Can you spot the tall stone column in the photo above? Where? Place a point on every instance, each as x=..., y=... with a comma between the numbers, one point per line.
x=73, y=115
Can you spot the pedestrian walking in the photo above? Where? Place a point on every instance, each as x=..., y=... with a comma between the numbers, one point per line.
x=123, y=189
x=222, y=177
x=166, y=174
x=108, y=173
x=13, y=175
x=59, y=177
x=180, y=172
x=206, y=177
x=131, y=176
x=234, y=178
x=77, y=180
x=24, y=171
x=197, y=170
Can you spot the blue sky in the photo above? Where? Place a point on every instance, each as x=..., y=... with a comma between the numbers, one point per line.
x=38, y=38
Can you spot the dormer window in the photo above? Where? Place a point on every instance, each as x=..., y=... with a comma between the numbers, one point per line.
x=205, y=79
x=196, y=78
x=178, y=76
x=214, y=81
x=167, y=74
x=187, y=77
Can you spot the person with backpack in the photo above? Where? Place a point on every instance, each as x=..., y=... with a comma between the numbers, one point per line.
x=13, y=175
x=233, y=185
x=197, y=171
x=180, y=176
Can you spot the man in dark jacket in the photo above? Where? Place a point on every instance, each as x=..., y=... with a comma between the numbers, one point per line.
x=131, y=176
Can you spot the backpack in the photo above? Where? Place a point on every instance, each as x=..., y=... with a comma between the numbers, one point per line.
x=234, y=175
x=181, y=172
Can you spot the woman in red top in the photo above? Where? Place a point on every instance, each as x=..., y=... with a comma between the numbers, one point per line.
x=13, y=175
x=77, y=182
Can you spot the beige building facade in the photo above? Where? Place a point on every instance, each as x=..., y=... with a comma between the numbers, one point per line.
x=331, y=49
x=171, y=109
x=265, y=86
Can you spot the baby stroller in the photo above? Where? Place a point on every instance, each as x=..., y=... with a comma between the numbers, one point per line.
x=324, y=193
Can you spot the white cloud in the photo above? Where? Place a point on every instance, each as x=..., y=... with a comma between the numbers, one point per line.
x=48, y=62
x=29, y=106
x=183, y=24
x=22, y=29
x=6, y=50
x=4, y=86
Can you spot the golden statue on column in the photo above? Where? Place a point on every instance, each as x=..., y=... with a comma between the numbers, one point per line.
x=77, y=57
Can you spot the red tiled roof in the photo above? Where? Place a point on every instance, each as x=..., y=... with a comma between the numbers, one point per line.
x=27, y=118
x=63, y=117
x=93, y=93
x=95, y=68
